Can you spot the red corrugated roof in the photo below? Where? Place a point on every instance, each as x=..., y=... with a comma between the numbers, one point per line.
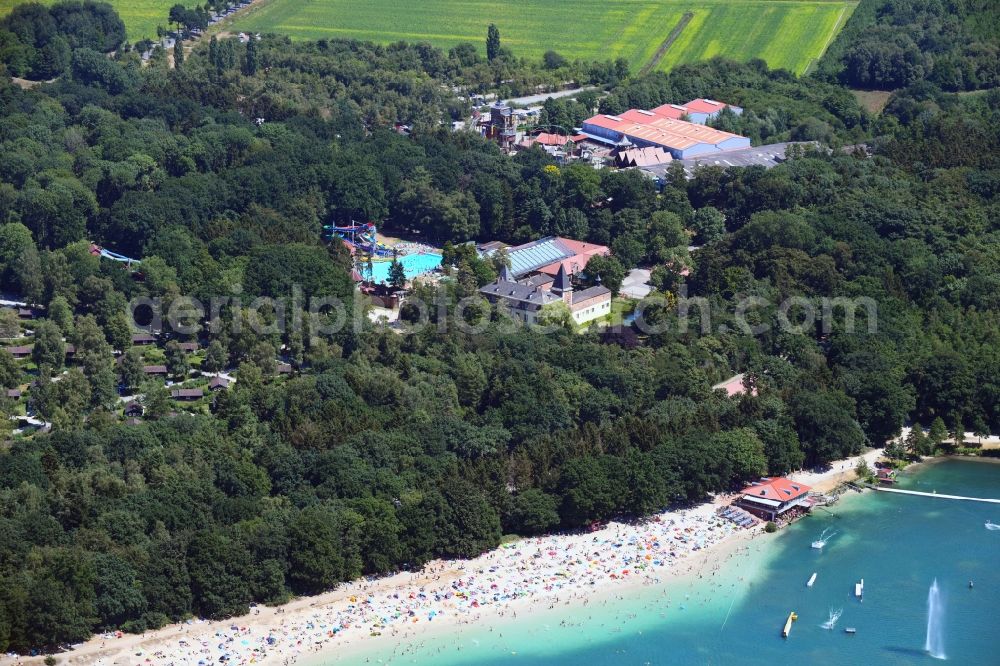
x=609, y=122
x=674, y=111
x=675, y=134
x=638, y=116
x=702, y=105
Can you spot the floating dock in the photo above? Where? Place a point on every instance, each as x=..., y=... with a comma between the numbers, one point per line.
x=937, y=495
x=792, y=617
x=812, y=579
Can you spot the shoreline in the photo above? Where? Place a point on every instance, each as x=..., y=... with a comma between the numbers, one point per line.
x=566, y=569
x=503, y=618
x=840, y=472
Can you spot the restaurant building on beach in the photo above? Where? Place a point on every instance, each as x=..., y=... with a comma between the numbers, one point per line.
x=772, y=498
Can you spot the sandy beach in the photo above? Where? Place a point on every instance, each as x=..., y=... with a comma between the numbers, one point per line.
x=445, y=595
x=840, y=472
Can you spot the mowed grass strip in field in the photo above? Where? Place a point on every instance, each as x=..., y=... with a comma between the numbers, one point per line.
x=785, y=33
x=140, y=16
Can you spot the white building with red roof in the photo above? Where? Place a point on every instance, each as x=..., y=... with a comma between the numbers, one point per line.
x=770, y=498
x=675, y=111
x=643, y=129
x=702, y=110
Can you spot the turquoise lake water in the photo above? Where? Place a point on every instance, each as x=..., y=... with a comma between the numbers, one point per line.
x=413, y=265
x=899, y=544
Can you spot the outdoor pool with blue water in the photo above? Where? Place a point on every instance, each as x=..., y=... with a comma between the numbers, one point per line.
x=413, y=265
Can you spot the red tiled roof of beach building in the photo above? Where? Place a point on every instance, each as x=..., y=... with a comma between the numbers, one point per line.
x=778, y=489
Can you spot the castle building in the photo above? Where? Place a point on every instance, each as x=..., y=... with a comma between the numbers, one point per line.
x=526, y=298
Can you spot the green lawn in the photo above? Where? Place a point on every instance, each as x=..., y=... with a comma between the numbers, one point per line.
x=785, y=33
x=141, y=16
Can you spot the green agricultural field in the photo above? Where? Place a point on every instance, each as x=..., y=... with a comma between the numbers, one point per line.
x=785, y=33
x=141, y=16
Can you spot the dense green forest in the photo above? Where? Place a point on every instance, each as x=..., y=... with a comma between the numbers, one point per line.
x=41, y=43
x=890, y=44
x=381, y=451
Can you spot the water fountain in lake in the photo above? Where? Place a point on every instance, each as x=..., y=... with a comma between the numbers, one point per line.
x=934, y=645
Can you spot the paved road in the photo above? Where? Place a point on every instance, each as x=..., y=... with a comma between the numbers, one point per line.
x=636, y=284
x=538, y=99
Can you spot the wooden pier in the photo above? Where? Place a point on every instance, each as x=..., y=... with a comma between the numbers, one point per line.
x=937, y=495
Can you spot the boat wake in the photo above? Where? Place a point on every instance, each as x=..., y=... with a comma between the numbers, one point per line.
x=990, y=525
x=823, y=539
x=832, y=620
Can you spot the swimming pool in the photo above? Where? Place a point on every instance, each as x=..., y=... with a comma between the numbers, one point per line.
x=413, y=265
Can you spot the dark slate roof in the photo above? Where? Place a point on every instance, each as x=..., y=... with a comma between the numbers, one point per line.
x=562, y=282
x=539, y=280
x=590, y=292
x=187, y=393
x=492, y=246
x=218, y=382
x=154, y=369
x=514, y=291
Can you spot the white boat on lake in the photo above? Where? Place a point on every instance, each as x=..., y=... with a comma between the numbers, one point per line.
x=820, y=543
